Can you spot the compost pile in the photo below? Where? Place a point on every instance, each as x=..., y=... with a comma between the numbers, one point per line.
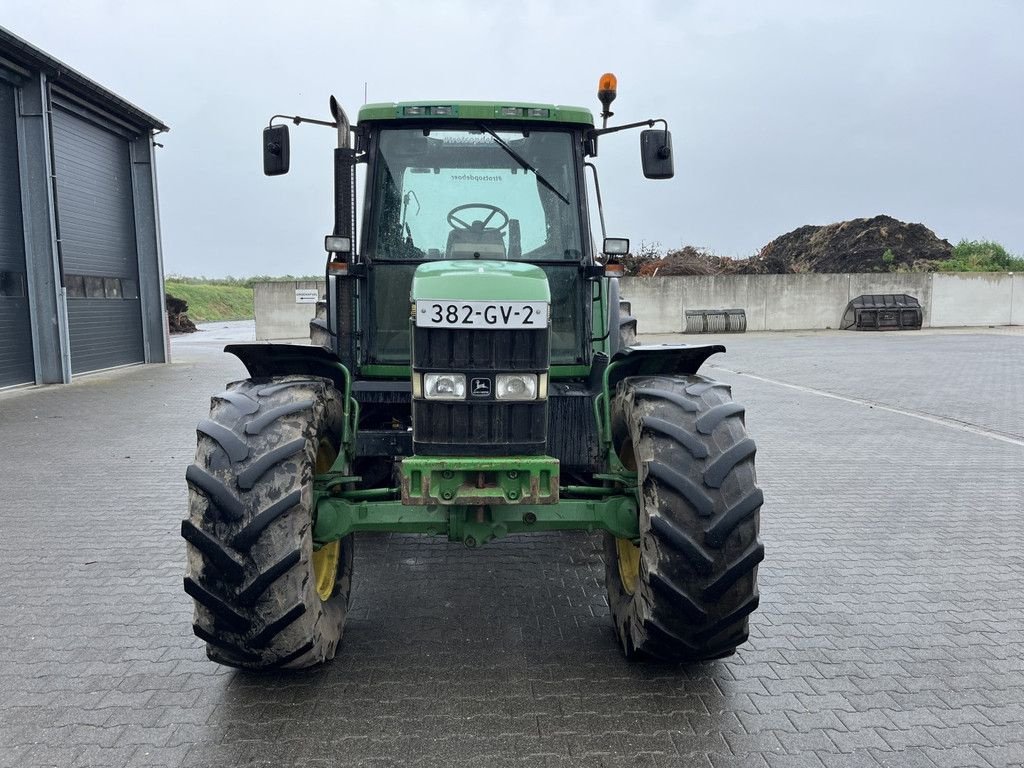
x=685, y=261
x=879, y=244
x=178, y=320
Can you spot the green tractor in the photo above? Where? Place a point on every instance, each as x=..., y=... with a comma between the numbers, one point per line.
x=475, y=374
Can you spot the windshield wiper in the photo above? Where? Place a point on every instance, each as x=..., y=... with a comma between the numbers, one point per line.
x=523, y=162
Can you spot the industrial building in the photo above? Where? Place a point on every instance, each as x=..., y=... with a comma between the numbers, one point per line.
x=81, y=274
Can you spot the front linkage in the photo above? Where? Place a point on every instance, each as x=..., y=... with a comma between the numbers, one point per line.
x=474, y=500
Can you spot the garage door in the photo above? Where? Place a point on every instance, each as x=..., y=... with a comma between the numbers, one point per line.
x=16, y=365
x=95, y=213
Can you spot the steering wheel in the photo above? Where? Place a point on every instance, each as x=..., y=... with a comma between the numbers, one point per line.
x=457, y=223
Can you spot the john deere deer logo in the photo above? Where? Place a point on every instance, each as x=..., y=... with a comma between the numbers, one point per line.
x=480, y=387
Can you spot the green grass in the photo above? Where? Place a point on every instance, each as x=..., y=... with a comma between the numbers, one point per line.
x=247, y=282
x=981, y=256
x=213, y=301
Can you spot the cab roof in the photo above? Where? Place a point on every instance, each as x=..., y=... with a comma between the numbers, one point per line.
x=476, y=110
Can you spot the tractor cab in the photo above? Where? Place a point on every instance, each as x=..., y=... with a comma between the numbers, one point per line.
x=472, y=182
x=474, y=262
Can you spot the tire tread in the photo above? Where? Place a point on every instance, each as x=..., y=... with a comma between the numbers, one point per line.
x=216, y=553
x=699, y=520
x=249, y=529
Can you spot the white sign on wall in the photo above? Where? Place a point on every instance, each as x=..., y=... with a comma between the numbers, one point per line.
x=306, y=295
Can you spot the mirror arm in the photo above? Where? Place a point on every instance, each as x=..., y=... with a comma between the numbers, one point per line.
x=595, y=132
x=342, y=124
x=297, y=120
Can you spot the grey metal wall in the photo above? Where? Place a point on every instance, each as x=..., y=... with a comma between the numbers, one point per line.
x=96, y=231
x=16, y=361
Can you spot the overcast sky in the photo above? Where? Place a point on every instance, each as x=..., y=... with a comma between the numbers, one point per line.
x=783, y=113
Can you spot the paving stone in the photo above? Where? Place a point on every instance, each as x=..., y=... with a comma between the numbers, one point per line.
x=889, y=633
x=957, y=757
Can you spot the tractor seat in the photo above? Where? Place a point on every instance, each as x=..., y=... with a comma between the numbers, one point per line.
x=477, y=242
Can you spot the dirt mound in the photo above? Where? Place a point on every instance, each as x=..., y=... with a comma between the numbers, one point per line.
x=177, y=315
x=879, y=244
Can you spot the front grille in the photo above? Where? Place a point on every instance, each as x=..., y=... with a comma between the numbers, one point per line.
x=463, y=350
x=479, y=425
x=487, y=428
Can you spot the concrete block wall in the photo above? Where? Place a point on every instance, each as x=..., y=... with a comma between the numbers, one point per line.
x=279, y=317
x=973, y=299
x=817, y=301
x=1017, y=304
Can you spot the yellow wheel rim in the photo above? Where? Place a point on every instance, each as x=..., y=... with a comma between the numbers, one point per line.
x=626, y=552
x=628, y=555
x=327, y=558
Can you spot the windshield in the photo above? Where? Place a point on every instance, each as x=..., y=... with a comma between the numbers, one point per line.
x=476, y=193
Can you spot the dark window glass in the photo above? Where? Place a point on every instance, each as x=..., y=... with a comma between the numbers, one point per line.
x=566, y=326
x=129, y=289
x=390, y=288
x=75, y=285
x=12, y=283
x=112, y=287
x=94, y=288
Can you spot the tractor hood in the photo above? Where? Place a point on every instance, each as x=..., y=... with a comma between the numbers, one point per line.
x=481, y=351
x=480, y=281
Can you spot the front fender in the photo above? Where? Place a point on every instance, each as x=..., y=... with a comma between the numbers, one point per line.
x=648, y=359
x=642, y=360
x=266, y=360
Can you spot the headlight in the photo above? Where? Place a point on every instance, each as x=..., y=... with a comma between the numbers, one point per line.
x=444, y=386
x=515, y=386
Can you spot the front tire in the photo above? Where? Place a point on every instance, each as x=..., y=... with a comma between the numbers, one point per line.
x=264, y=597
x=686, y=592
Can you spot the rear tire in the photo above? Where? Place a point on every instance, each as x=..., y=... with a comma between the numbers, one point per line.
x=686, y=593
x=627, y=324
x=319, y=333
x=250, y=526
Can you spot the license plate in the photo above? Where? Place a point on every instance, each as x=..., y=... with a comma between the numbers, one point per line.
x=481, y=314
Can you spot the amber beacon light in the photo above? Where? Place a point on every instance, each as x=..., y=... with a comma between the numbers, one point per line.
x=606, y=88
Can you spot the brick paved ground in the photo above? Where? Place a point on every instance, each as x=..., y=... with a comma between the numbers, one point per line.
x=891, y=630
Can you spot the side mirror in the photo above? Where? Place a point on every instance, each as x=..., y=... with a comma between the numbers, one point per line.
x=275, y=150
x=656, y=154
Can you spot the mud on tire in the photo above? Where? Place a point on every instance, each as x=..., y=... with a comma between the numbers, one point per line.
x=249, y=529
x=690, y=595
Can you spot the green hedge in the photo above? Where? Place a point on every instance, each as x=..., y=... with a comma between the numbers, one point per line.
x=981, y=256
